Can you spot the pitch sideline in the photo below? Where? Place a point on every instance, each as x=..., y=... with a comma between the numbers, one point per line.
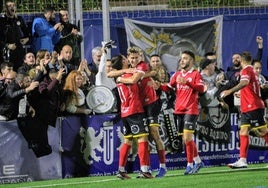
x=168, y=175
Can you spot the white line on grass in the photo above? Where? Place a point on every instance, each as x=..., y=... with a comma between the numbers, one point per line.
x=74, y=183
x=168, y=175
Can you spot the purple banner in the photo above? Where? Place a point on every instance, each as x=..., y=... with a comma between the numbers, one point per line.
x=92, y=149
x=99, y=142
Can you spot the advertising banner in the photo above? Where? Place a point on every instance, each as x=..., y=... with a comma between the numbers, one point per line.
x=100, y=140
x=18, y=163
x=92, y=149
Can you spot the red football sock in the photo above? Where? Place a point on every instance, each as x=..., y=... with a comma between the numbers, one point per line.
x=161, y=156
x=144, y=154
x=265, y=137
x=195, y=152
x=190, y=151
x=123, y=154
x=244, y=143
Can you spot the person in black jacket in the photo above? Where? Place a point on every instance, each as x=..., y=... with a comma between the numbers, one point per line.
x=44, y=103
x=15, y=90
x=71, y=36
x=14, y=35
x=29, y=63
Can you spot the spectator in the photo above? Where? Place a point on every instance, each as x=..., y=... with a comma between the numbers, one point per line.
x=14, y=35
x=212, y=56
x=43, y=54
x=259, y=41
x=212, y=79
x=15, y=90
x=94, y=65
x=46, y=103
x=51, y=93
x=5, y=67
x=28, y=122
x=83, y=68
x=232, y=76
x=104, y=68
x=75, y=98
x=155, y=61
x=167, y=106
x=156, y=65
x=252, y=108
x=257, y=66
x=134, y=122
x=65, y=59
x=29, y=63
x=71, y=36
x=45, y=34
x=188, y=84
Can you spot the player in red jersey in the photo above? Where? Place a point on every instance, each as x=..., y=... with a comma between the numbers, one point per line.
x=251, y=108
x=150, y=99
x=134, y=122
x=187, y=83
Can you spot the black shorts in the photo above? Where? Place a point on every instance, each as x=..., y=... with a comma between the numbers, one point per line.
x=253, y=118
x=135, y=126
x=152, y=111
x=185, y=122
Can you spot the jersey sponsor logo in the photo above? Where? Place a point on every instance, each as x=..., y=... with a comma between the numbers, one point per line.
x=135, y=129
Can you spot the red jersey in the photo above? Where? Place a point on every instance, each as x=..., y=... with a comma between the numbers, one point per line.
x=187, y=94
x=130, y=98
x=148, y=94
x=250, y=95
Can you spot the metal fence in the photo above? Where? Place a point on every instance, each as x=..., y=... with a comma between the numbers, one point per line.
x=30, y=6
x=151, y=8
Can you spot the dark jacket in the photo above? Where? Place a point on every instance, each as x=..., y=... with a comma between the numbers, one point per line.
x=67, y=38
x=10, y=101
x=49, y=103
x=25, y=68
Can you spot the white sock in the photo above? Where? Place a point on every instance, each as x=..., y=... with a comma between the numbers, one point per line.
x=121, y=169
x=190, y=164
x=144, y=168
x=162, y=165
x=243, y=160
x=197, y=159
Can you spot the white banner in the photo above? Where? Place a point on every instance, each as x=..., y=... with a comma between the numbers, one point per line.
x=170, y=40
x=18, y=163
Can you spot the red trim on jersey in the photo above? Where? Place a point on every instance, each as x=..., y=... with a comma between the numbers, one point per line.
x=250, y=94
x=148, y=93
x=187, y=94
x=130, y=98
